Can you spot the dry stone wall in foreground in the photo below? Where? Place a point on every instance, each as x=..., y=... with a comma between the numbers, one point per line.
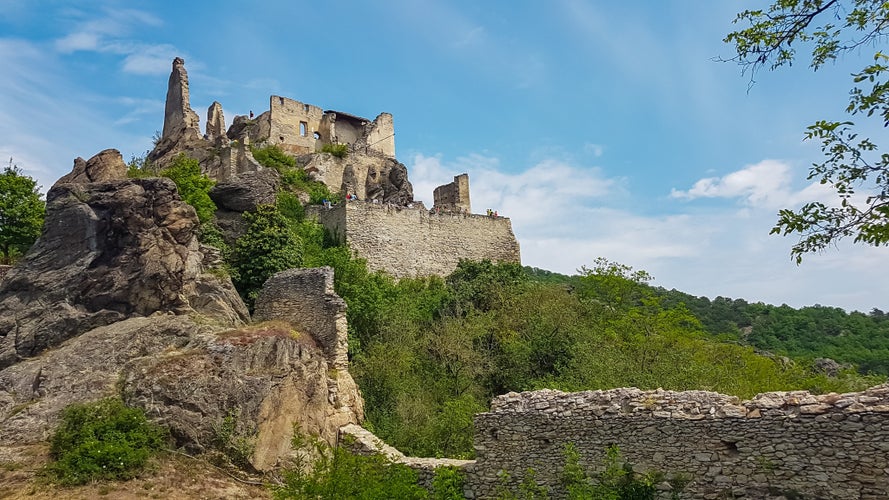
x=783, y=443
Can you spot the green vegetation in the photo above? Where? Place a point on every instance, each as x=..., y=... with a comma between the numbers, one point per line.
x=618, y=481
x=339, y=473
x=293, y=178
x=430, y=353
x=269, y=245
x=140, y=168
x=831, y=29
x=21, y=213
x=193, y=186
x=102, y=440
x=801, y=334
x=338, y=150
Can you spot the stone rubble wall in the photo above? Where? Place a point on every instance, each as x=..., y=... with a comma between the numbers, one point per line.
x=781, y=443
x=362, y=442
x=306, y=299
x=3, y=271
x=408, y=242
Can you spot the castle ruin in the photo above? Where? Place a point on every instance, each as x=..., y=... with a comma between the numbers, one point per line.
x=381, y=221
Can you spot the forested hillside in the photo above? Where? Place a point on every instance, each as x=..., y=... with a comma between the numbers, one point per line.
x=803, y=334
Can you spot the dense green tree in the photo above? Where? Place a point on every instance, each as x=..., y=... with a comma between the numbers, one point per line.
x=831, y=29
x=268, y=245
x=194, y=186
x=21, y=213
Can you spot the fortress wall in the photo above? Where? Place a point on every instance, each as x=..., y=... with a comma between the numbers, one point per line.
x=412, y=242
x=832, y=446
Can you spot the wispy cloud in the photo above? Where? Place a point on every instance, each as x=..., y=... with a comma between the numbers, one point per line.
x=566, y=215
x=765, y=184
x=110, y=32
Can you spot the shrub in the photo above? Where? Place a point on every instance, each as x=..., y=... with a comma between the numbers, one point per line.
x=338, y=150
x=102, y=440
x=268, y=245
x=338, y=473
x=273, y=157
x=193, y=186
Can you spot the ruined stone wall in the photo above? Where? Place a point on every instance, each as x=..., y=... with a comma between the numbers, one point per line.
x=380, y=135
x=454, y=196
x=833, y=446
x=294, y=124
x=414, y=242
x=305, y=298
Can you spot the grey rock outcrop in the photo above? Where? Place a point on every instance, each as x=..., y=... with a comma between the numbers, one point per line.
x=109, y=251
x=215, y=122
x=34, y=392
x=246, y=191
x=265, y=380
x=106, y=166
x=369, y=177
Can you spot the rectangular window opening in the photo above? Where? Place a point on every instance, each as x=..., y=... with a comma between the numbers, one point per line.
x=303, y=129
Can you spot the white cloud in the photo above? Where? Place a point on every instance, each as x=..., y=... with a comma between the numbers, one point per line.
x=77, y=41
x=765, y=184
x=565, y=216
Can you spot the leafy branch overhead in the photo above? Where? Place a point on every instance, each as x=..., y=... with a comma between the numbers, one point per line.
x=852, y=166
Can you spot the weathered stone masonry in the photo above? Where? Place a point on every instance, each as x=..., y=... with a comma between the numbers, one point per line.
x=414, y=242
x=833, y=446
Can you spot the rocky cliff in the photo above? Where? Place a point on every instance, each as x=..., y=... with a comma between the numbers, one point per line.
x=118, y=296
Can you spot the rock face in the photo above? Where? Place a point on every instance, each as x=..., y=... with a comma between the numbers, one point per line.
x=113, y=286
x=34, y=392
x=109, y=251
x=369, y=177
x=105, y=166
x=264, y=380
x=246, y=191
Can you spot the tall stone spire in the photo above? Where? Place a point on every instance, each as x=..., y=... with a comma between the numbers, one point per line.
x=215, y=122
x=180, y=121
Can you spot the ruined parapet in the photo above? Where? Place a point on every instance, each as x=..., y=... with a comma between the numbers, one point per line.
x=454, y=196
x=305, y=298
x=363, y=442
x=409, y=242
x=215, y=122
x=828, y=446
x=179, y=119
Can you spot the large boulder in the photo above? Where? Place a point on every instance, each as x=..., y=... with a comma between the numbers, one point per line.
x=246, y=191
x=106, y=166
x=261, y=382
x=34, y=392
x=109, y=251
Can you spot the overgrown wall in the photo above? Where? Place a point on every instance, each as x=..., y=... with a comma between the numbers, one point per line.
x=832, y=446
x=414, y=242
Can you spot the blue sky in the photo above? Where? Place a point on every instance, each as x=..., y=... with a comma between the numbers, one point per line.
x=601, y=128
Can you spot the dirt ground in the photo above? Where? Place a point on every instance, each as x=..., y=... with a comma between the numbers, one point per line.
x=170, y=476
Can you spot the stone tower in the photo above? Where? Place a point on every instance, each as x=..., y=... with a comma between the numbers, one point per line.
x=453, y=197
